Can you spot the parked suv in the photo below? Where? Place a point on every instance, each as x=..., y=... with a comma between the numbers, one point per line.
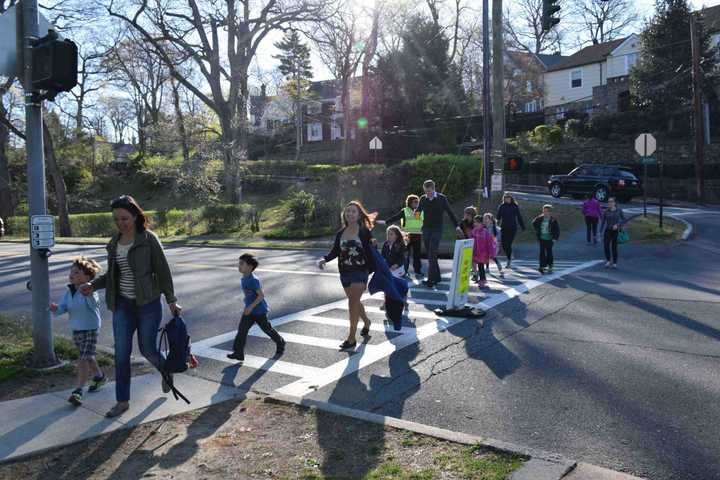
x=604, y=181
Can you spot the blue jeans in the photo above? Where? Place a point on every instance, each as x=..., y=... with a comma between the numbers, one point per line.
x=127, y=318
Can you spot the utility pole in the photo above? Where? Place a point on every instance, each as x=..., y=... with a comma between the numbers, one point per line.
x=697, y=111
x=498, y=91
x=487, y=107
x=44, y=352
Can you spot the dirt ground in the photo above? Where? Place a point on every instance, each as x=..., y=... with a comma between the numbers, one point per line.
x=257, y=439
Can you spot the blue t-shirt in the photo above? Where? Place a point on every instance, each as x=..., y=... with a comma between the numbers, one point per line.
x=250, y=285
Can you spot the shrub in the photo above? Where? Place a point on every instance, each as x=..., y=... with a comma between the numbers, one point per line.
x=302, y=208
x=323, y=170
x=455, y=175
x=223, y=218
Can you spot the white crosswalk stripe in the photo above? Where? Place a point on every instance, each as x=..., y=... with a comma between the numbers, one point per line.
x=520, y=279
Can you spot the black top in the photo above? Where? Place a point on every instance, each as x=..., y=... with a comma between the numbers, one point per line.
x=351, y=255
x=554, y=227
x=434, y=210
x=467, y=227
x=508, y=216
x=394, y=255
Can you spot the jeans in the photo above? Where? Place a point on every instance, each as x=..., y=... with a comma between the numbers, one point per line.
x=591, y=223
x=246, y=323
x=431, y=239
x=507, y=238
x=127, y=318
x=546, y=253
x=414, y=246
x=610, y=242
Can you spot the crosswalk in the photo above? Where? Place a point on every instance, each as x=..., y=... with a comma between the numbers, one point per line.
x=321, y=329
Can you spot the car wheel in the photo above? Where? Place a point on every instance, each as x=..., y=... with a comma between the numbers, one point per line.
x=556, y=190
x=601, y=194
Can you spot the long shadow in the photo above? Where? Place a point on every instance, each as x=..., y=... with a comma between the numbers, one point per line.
x=388, y=394
x=351, y=448
x=20, y=435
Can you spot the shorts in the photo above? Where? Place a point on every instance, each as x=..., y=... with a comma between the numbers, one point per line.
x=354, y=276
x=85, y=341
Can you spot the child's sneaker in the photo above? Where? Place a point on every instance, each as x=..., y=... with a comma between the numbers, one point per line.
x=607, y=264
x=474, y=276
x=482, y=284
x=550, y=269
x=542, y=271
x=97, y=382
x=76, y=397
x=280, y=349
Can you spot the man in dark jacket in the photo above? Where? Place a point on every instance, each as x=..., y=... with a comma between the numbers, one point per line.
x=434, y=205
x=547, y=230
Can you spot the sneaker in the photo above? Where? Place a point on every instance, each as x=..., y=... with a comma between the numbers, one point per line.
x=542, y=271
x=608, y=264
x=482, y=284
x=614, y=265
x=429, y=284
x=236, y=356
x=382, y=307
x=76, y=397
x=118, y=409
x=550, y=269
x=474, y=276
x=502, y=274
x=97, y=382
x=507, y=265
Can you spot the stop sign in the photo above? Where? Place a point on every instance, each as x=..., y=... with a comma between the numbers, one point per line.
x=645, y=144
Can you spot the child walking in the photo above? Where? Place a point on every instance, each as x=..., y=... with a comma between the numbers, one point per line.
x=85, y=322
x=467, y=224
x=394, y=250
x=483, y=248
x=412, y=223
x=592, y=212
x=491, y=225
x=547, y=230
x=256, y=310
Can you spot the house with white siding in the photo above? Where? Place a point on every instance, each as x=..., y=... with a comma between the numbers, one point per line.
x=593, y=80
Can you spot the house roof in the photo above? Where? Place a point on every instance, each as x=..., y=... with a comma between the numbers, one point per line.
x=549, y=61
x=330, y=89
x=592, y=54
x=711, y=18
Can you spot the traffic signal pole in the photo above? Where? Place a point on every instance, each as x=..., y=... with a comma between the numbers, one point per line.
x=43, y=352
x=487, y=106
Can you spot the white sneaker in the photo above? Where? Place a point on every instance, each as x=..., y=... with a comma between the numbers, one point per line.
x=614, y=265
x=607, y=264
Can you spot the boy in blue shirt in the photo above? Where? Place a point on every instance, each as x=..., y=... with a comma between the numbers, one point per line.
x=256, y=310
x=85, y=322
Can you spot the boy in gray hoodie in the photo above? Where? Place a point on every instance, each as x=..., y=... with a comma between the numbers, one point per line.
x=85, y=321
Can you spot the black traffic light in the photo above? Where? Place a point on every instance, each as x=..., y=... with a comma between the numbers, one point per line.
x=54, y=63
x=549, y=20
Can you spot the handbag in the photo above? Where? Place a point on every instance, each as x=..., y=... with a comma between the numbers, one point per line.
x=623, y=236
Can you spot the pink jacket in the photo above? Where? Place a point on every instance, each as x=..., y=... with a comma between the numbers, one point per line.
x=485, y=245
x=591, y=208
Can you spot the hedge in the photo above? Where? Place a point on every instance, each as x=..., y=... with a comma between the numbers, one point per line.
x=457, y=176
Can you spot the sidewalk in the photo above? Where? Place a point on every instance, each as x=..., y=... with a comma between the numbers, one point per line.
x=40, y=423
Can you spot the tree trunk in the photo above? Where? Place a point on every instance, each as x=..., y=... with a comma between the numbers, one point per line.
x=498, y=110
x=298, y=120
x=6, y=204
x=180, y=122
x=58, y=182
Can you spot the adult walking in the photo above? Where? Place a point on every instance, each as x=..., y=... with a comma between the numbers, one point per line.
x=612, y=222
x=353, y=248
x=412, y=223
x=137, y=274
x=592, y=212
x=509, y=218
x=434, y=205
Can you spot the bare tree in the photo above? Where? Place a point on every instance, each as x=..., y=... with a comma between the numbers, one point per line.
x=525, y=31
x=120, y=112
x=89, y=81
x=600, y=21
x=221, y=38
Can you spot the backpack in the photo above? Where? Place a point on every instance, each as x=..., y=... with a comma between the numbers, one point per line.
x=175, y=343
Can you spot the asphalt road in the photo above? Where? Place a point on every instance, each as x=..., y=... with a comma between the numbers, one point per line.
x=617, y=368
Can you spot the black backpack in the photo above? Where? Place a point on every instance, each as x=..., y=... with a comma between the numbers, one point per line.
x=175, y=343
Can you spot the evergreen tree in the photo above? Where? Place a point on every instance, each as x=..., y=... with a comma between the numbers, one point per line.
x=295, y=66
x=662, y=78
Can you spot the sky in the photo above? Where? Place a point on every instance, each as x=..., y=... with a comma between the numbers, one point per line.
x=320, y=72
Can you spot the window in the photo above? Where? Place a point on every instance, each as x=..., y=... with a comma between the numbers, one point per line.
x=314, y=108
x=531, y=107
x=315, y=132
x=560, y=113
x=529, y=86
x=630, y=61
x=576, y=78
x=336, y=131
x=269, y=125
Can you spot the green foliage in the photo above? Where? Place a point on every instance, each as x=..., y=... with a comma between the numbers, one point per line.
x=323, y=169
x=457, y=176
x=289, y=233
x=159, y=169
x=224, y=218
x=302, y=207
x=612, y=125
x=546, y=137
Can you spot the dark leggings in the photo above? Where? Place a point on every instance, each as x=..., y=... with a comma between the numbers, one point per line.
x=246, y=323
x=610, y=242
x=546, y=253
x=508, y=236
x=591, y=224
x=414, y=246
x=481, y=272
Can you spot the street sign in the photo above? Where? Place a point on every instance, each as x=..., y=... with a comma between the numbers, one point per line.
x=650, y=160
x=42, y=231
x=462, y=265
x=496, y=182
x=645, y=145
x=376, y=144
x=8, y=40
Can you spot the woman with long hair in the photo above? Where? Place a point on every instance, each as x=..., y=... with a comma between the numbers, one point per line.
x=137, y=275
x=509, y=217
x=353, y=248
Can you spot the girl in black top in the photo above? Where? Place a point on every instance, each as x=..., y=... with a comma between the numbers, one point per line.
x=352, y=248
x=394, y=250
x=467, y=223
x=508, y=216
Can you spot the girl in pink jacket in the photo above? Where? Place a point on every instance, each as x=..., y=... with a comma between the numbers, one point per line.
x=592, y=212
x=483, y=249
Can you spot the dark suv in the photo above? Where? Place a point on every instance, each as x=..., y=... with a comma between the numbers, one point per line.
x=603, y=181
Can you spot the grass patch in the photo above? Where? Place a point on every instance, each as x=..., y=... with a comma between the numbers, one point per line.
x=646, y=229
x=478, y=463
x=16, y=350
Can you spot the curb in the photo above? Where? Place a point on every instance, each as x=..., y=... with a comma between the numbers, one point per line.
x=688, y=228
x=560, y=464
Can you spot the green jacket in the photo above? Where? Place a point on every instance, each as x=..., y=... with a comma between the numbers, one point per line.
x=150, y=269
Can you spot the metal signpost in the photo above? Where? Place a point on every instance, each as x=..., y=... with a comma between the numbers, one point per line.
x=375, y=145
x=645, y=146
x=460, y=283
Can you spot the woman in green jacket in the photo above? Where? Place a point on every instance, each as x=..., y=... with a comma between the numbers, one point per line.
x=137, y=274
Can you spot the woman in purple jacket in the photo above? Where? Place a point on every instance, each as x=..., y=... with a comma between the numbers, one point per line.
x=592, y=212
